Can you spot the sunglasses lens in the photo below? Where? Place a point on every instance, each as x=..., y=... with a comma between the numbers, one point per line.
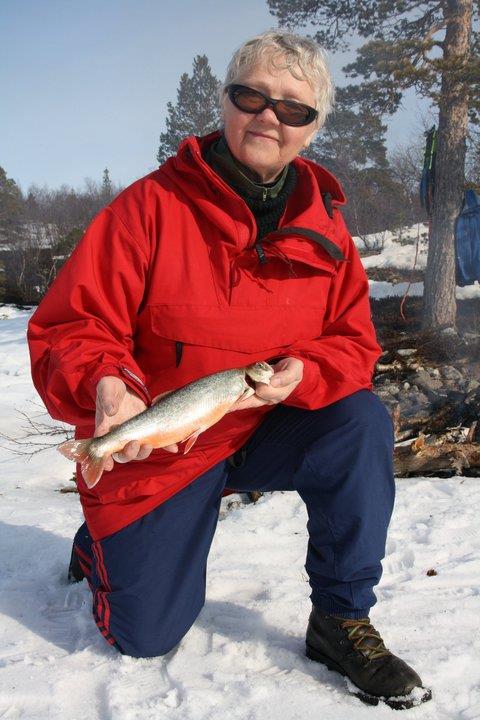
x=248, y=100
x=292, y=113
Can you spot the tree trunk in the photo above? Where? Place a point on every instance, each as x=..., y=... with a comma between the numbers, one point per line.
x=439, y=306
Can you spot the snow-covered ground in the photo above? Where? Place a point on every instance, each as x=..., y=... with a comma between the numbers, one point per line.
x=398, y=248
x=399, y=251
x=244, y=657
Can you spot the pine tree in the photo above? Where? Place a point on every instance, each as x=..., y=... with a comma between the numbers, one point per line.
x=352, y=146
x=107, y=189
x=11, y=208
x=431, y=46
x=351, y=139
x=196, y=111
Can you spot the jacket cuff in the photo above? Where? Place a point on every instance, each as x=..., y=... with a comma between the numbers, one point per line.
x=129, y=377
x=301, y=396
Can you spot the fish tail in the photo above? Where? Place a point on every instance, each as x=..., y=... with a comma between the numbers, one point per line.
x=80, y=450
x=75, y=449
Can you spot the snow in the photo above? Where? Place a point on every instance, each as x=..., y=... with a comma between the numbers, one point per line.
x=396, y=254
x=244, y=656
x=398, y=251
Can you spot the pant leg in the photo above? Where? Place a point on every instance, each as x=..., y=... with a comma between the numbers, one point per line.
x=340, y=460
x=148, y=579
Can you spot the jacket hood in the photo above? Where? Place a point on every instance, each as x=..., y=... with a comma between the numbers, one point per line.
x=306, y=209
x=195, y=146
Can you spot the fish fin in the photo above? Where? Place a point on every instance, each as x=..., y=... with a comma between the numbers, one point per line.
x=191, y=440
x=92, y=469
x=79, y=450
x=248, y=392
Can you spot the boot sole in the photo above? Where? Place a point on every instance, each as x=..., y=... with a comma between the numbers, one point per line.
x=417, y=697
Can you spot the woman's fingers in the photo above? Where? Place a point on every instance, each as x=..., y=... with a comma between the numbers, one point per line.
x=144, y=452
x=131, y=451
x=287, y=371
x=136, y=451
x=249, y=402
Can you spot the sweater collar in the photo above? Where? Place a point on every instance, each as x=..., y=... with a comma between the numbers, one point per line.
x=220, y=158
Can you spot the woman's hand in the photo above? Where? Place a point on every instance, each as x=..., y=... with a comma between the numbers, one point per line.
x=288, y=372
x=115, y=404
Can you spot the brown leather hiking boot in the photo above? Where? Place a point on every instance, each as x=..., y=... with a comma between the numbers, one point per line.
x=355, y=649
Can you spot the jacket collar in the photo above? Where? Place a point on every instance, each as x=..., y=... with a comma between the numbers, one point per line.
x=216, y=199
x=219, y=157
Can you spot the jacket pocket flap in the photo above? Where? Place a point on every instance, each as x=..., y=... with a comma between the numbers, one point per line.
x=239, y=329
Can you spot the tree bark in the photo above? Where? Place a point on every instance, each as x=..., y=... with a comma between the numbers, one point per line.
x=439, y=306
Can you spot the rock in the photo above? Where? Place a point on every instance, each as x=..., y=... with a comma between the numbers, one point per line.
x=406, y=352
x=453, y=377
x=429, y=398
x=472, y=385
x=455, y=398
x=387, y=390
x=473, y=399
x=414, y=403
x=471, y=337
x=425, y=381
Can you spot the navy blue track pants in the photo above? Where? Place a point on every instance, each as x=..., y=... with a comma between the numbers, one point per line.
x=148, y=579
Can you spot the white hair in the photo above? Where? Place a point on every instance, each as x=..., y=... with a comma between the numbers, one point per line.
x=286, y=51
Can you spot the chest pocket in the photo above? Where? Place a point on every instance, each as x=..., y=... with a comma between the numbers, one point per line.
x=292, y=266
x=273, y=275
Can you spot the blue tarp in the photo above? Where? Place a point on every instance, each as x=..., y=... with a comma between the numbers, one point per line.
x=467, y=241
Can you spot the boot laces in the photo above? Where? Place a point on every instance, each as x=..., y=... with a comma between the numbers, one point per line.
x=363, y=635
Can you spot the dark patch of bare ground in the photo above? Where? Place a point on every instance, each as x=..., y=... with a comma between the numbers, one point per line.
x=395, y=275
x=395, y=332
x=451, y=406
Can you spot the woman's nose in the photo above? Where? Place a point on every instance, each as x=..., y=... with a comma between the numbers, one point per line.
x=268, y=115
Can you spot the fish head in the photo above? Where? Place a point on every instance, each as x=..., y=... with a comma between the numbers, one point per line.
x=260, y=372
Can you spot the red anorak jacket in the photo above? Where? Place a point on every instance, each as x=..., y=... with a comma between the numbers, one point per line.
x=168, y=285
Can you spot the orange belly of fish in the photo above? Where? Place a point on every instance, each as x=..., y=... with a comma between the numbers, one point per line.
x=161, y=439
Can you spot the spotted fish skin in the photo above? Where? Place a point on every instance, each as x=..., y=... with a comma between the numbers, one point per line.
x=179, y=416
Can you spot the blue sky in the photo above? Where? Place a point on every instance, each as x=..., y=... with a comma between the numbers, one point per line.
x=84, y=85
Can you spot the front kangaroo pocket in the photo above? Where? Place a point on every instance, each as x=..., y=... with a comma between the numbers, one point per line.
x=184, y=342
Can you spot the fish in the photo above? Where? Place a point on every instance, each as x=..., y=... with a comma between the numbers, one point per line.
x=178, y=416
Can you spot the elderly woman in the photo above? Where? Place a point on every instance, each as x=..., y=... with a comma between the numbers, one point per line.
x=233, y=251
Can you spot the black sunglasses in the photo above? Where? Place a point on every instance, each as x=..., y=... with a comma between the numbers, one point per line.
x=288, y=112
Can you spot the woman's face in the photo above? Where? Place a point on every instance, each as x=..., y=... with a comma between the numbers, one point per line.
x=261, y=142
